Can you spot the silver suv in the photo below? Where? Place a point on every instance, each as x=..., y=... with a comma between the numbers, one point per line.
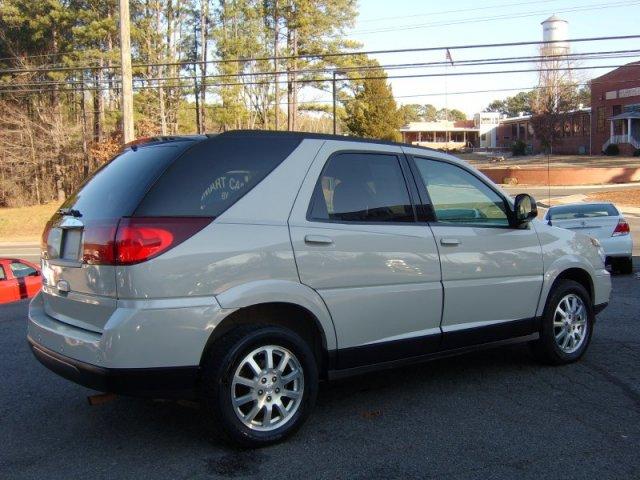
x=241, y=268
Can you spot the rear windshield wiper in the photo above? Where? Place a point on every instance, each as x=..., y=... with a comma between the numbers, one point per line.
x=70, y=212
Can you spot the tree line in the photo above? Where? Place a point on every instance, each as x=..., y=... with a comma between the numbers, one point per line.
x=199, y=66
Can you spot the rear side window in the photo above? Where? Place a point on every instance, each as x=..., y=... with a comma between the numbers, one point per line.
x=20, y=270
x=570, y=212
x=116, y=189
x=214, y=174
x=362, y=187
x=2, y=274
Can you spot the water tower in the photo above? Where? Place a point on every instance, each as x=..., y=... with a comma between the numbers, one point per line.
x=556, y=30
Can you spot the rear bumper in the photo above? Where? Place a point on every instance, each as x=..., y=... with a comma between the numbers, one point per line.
x=139, y=334
x=621, y=246
x=171, y=382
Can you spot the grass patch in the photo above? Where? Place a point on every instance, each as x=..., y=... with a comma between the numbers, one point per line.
x=24, y=223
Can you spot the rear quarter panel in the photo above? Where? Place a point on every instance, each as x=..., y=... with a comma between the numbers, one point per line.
x=249, y=242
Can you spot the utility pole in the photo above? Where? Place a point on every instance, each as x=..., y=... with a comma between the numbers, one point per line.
x=276, y=31
x=335, y=98
x=125, y=62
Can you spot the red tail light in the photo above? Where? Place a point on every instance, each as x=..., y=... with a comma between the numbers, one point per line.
x=135, y=240
x=621, y=229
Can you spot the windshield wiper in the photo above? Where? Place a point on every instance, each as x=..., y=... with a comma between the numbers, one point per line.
x=70, y=212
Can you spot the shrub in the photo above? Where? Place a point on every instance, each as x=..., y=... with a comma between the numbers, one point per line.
x=518, y=148
x=636, y=152
x=612, y=150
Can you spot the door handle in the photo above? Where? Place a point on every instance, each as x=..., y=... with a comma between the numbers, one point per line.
x=317, y=240
x=449, y=242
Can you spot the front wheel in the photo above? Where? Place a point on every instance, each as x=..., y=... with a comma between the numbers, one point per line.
x=567, y=324
x=259, y=384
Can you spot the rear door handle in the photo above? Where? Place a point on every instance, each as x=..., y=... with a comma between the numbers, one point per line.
x=450, y=242
x=317, y=240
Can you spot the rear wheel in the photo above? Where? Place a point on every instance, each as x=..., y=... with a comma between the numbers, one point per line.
x=259, y=384
x=567, y=324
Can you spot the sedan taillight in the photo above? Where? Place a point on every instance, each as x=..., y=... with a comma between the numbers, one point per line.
x=622, y=228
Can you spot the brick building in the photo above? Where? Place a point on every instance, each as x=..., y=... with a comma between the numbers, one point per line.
x=575, y=138
x=615, y=102
x=614, y=118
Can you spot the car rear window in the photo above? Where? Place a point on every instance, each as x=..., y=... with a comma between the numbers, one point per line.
x=215, y=173
x=569, y=212
x=116, y=189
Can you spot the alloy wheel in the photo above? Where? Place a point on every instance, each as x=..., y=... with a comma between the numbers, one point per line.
x=570, y=323
x=267, y=388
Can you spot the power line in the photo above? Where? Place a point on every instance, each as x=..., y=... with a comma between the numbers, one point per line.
x=324, y=55
x=321, y=80
x=601, y=55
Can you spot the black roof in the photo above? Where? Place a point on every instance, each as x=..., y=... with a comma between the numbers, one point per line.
x=315, y=136
x=269, y=133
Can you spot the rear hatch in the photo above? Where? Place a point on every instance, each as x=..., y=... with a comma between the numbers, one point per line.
x=596, y=220
x=79, y=286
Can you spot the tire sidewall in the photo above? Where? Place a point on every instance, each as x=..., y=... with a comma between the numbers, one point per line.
x=563, y=289
x=219, y=397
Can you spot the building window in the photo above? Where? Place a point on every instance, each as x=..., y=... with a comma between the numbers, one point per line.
x=483, y=137
x=600, y=119
x=617, y=124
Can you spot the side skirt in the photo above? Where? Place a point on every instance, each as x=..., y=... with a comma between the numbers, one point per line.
x=335, y=374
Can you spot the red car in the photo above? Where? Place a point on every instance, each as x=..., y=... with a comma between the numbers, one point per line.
x=19, y=279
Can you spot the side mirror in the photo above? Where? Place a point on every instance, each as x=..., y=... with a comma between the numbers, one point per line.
x=525, y=209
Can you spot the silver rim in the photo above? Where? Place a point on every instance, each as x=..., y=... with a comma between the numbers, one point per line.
x=267, y=388
x=570, y=323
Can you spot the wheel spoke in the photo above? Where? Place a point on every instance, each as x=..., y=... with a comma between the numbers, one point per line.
x=282, y=411
x=290, y=377
x=238, y=402
x=565, y=342
x=283, y=362
x=560, y=335
x=249, y=417
x=292, y=394
x=243, y=381
x=268, y=412
x=561, y=312
x=268, y=353
x=254, y=366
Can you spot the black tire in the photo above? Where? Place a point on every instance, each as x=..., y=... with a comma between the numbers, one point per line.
x=218, y=372
x=546, y=349
x=624, y=265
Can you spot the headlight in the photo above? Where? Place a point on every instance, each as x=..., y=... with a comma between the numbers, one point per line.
x=596, y=243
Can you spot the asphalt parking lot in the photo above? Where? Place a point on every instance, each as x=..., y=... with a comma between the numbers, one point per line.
x=493, y=414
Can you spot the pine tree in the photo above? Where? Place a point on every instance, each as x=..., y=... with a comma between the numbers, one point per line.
x=373, y=113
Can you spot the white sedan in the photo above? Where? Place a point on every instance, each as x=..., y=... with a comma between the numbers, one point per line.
x=602, y=221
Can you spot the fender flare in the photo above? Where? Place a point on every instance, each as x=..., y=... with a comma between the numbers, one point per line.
x=554, y=270
x=282, y=291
